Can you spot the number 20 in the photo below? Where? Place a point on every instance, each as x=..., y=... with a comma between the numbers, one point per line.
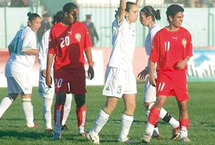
x=65, y=41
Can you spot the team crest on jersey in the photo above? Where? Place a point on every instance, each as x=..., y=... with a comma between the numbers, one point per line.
x=78, y=37
x=184, y=42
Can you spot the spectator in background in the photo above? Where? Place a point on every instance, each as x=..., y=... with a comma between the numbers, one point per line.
x=92, y=29
x=45, y=25
x=20, y=3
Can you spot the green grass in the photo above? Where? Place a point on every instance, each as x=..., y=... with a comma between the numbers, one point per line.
x=201, y=112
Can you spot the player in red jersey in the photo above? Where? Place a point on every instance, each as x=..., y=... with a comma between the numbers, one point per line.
x=171, y=50
x=68, y=43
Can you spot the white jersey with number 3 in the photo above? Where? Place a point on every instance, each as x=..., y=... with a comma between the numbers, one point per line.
x=20, y=63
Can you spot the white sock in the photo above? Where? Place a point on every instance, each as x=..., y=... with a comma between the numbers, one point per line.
x=156, y=131
x=5, y=104
x=28, y=111
x=126, y=122
x=100, y=122
x=149, y=129
x=47, y=116
x=67, y=108
x=171, y=120
x=183, y=132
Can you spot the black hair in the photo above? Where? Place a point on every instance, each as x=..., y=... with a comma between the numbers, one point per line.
x=150, y=11
x=128, y=6
x=70, y=7
x=172, y=10
x=32, y=16
x=58, y=17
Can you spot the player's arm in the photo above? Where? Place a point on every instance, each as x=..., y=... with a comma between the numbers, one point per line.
x=30, y=51
x=50, y=59
x=138, y=3
x=88, y=54
x=151, y=73
x=122, y=7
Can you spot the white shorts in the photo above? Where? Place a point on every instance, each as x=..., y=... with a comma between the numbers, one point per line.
x=149, y=94
x=44, y=90
x=19, y=85
x=119, y=82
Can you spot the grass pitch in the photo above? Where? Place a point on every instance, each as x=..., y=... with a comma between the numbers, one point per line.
x=201, y=111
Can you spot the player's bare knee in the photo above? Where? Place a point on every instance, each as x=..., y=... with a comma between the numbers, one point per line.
x=80, y=100
x=60, y=98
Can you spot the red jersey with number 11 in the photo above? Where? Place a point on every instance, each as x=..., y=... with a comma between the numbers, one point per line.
x=170, y=47
x=68, y=43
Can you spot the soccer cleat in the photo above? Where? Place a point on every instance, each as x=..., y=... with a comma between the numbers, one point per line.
x=93, y=138
x=49, y=131
x=146, y=138
x=64, y=127
x=126, y=140
x=175, y=133
x=185, y=139
x=82, y=133
x=57, y=135
x=34, y=126
x=158, y=136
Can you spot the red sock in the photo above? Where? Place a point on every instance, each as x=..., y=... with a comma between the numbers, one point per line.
x=184, y=122
x=58, y=113
x=153, y=116
x=81, y=115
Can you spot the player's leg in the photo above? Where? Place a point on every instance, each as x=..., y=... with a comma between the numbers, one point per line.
x=102, y=119
x=58, y=113
x=81, y=109
x=24, y=83
x=184, y=121
x=12, y=95
x=149, y=101
x=127, y=116
x=47, y=94
x=182, y=98
x=153, y=118
x=67, y=108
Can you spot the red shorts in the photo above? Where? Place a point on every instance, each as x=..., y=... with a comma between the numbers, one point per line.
x=173, y=84
x=70, y=81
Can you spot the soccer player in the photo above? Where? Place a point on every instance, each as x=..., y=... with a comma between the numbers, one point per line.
x=44, y=91
x=171, y=50
x=120, y=79
x=22, y=49
x=147, y=18
x=68, y=43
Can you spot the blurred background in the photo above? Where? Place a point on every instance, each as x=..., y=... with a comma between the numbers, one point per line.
x=198, y=19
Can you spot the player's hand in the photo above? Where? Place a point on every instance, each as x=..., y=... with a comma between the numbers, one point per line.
x=49, y=81
x=153, y=80
x=90, y=72
x=142, y=74
x=43, y=73
x=181, y=64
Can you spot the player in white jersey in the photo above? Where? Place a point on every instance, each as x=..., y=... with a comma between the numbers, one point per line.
x=22, y=49
x=120, y=79
x=46, y=92
x=147, y=18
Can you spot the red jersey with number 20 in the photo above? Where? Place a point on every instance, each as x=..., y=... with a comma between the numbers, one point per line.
x=68, y=43
x=170, y=47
